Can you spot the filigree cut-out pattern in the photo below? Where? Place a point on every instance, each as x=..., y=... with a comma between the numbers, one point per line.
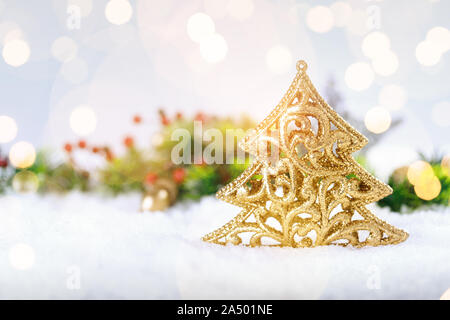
x=303, y=188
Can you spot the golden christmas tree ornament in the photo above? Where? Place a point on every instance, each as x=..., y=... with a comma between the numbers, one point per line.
x=159, y=196
x=303, y=188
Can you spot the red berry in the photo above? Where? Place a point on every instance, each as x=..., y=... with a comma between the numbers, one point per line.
x=179, y=116
x=165, y=121
x=82, y=144
x=200, y=117
x=68, y=147
x=178, y=175
x=162, y=115
x=151, y=178
x=3, y=163
x=128, y=142
x=109, y=156
x=137, y=119
x=95, y=149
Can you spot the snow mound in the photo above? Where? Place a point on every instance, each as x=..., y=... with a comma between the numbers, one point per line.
x=91, y=247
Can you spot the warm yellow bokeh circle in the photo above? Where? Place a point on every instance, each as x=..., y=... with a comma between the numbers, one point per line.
x=22, y=155
x=429, y=189
x=426, y=185
x=419, y=172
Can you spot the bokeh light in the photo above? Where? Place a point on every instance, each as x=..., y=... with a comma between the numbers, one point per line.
x=157, y=140
x=240, y=9
x=428, y=53
x=279, y=59
x=385, y=64
x=440, y=37
x=429, y=189
x=320, y=19
x=375, y=44
x=377, y=120
x=440, y=114
x=419, y=172
x=21, y=256
x=342, y=12
x=446, y=295
x=25, y=182
x=8, y=129
x=64, y=49
x=392, y=97
x=118, y=11
x=16, y=52
x=200, y=26
x=359, y=76
x=147, y=203
x=214, y=48
x=22, y=155
x=83, y=120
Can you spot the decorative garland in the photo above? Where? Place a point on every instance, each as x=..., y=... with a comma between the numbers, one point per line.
x=162, y=183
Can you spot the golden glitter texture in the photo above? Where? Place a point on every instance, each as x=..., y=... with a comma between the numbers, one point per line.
x=303, y=188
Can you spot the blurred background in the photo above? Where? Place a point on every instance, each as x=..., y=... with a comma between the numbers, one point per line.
x=92, y=90
x=83, y=68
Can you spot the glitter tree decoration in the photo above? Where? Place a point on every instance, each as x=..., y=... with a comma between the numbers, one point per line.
x=303, y=188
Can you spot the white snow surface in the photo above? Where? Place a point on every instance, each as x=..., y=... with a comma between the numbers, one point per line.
x=94, y=247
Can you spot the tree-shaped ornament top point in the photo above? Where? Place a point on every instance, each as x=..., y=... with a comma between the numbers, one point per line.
x=301, y=66
x=303, y=188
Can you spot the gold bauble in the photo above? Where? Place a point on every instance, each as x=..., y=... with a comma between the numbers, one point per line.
x=25, y=181
x=155, y=201
x=400, y=174
x=159, y=196
x=170, y=186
